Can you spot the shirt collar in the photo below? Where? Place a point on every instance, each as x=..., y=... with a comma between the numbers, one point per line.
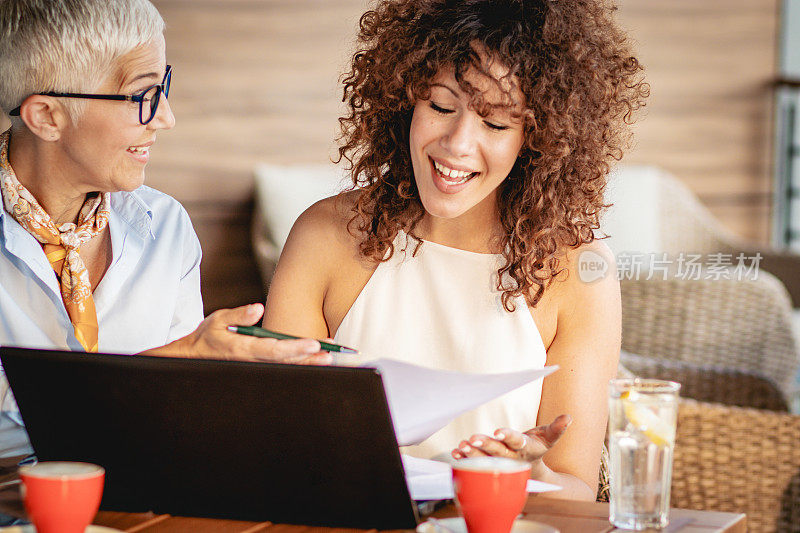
x=130, y=207
x=133, y=210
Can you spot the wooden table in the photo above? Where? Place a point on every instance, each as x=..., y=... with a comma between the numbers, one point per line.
x=568, y=517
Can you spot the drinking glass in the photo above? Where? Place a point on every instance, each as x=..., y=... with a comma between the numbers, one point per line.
x=642, y=420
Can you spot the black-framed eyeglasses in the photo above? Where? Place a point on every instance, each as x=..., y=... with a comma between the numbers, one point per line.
x=148, y=99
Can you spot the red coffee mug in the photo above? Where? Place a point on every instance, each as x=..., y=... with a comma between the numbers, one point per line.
x=62, y=497
x=490, y=492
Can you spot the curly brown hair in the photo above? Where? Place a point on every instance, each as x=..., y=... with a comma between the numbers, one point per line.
x=581, y=85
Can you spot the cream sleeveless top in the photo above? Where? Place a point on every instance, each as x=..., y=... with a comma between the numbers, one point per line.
x=441, y=309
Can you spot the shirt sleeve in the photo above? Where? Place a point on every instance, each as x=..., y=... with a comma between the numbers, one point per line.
x=13, y=437
x=189, y=305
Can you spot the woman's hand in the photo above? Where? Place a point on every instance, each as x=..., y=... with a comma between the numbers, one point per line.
x=212, y=339
x=529, y=446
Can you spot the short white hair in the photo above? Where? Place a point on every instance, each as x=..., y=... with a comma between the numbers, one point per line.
x=68, y=45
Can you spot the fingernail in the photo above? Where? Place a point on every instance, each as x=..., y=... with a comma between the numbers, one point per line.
x=465, y=449
x=477, y=442
x=500, y=436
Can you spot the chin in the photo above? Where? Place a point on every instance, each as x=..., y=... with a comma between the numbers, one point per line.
x=127, y=185
x=443, y=209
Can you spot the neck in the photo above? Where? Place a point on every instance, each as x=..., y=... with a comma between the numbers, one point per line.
x=473, y=231
x=36, y=165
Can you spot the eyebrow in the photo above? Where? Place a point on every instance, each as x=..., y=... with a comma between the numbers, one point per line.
x=438, y=84
x=153, y=75
x=497, y=107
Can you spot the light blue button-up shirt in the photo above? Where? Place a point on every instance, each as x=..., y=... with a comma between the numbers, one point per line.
x=149, y=296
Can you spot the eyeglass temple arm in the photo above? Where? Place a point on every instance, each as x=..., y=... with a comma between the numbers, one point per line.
x=122, y=97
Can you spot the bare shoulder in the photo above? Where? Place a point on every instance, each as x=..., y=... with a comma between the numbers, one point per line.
x=320, y=248
x=588, y=294
x=319, y=253
x=588, y=269
x=323, y=227
x=586, y=280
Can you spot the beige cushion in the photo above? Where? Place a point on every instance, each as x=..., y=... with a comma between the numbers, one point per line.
x=282, y=193
x=632, y=222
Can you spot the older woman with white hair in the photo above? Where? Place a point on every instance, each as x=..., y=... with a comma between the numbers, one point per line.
x=90, y=258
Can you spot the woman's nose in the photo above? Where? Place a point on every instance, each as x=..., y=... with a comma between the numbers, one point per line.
x=460, y=139
x=164, y=118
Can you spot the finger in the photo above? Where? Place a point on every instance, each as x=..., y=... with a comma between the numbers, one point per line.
x=245, y=315
x=493, y=447
x=515, y=440
x=285, y=351
x=475, y=452
x=321, y=358
x=467, y=450
x=550, y=433
x=297, y=348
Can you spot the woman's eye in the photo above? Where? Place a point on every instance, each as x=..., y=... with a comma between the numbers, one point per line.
x=495, y=127
x=440, y=109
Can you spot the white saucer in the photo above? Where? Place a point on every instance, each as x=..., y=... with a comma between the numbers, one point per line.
x=457, y=525
x=28, y=528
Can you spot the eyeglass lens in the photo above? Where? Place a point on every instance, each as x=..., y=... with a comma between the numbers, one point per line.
x=150, y=104
x=153, y=96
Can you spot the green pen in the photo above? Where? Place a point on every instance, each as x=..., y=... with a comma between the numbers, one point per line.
x=255, y=331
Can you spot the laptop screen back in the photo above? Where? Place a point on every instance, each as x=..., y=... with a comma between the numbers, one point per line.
x=285, y=443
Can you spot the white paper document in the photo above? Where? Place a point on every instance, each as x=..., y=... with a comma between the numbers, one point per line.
x=423, y=400
x=433, y=480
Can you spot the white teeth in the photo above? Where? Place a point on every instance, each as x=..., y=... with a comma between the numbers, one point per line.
x=460, y=175
x=141, y=150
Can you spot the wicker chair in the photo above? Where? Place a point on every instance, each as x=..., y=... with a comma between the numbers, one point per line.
x=739, y=460
x=604, y=481
x=711, y=383
x=744, y=325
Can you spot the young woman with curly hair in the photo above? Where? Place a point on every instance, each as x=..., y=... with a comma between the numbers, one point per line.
x=480, y=134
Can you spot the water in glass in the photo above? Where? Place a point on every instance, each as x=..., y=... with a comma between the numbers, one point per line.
x=642, y=421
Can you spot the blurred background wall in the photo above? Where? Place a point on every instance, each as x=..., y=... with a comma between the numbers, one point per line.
x=257, y=80
x=712, y=65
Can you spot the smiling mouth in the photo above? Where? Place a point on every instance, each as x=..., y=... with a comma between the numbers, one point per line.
x=138, y=150
x=451, y=175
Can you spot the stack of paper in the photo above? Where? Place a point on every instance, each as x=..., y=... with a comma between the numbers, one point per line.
x=423, y=400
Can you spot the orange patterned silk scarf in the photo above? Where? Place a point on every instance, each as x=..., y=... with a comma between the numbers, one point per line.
x=61, y=244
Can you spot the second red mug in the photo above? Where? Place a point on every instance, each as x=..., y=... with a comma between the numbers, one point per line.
x=490, y=492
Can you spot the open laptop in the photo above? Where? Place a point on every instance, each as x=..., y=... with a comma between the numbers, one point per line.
x=285, y=443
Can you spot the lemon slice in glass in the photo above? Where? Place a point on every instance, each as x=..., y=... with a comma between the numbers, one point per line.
x=659, y=431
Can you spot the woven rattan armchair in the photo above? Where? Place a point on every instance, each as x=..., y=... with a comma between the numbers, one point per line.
x=711, y=383
x=739, y=460
x=743, y=325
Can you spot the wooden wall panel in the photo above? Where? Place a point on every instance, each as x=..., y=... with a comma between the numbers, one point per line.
x=710, y=64
x=254, y=81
